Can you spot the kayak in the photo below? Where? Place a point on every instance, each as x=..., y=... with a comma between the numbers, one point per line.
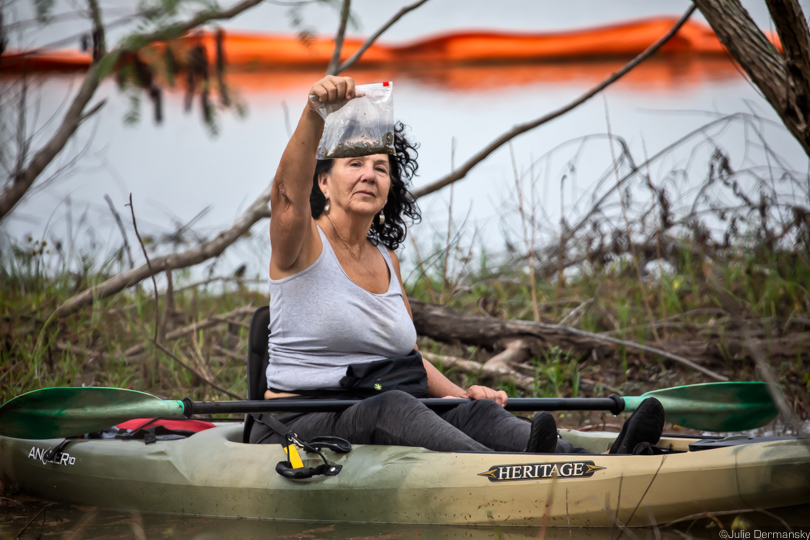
x=212, y=473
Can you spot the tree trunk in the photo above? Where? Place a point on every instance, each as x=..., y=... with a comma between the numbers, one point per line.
x=784, y=81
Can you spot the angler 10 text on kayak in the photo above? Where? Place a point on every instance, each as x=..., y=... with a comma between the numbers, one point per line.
x=45, y=456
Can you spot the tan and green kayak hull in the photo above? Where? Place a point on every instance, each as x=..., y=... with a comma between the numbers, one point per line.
x=212, y=473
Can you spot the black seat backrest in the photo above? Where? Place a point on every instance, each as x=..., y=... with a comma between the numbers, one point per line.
x=257, y=359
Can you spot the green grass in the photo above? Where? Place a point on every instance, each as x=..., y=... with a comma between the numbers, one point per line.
x=89, y=347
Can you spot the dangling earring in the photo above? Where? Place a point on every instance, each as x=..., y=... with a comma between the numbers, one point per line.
x=326, y=207
x=381, y=218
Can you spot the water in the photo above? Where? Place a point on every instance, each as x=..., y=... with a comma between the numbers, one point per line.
x=179, y=174
x=33, y=519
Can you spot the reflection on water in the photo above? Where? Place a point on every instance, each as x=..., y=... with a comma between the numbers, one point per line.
x=659, y=73
x=27, y=518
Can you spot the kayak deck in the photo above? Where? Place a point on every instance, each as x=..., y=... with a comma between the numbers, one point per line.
x=213, y=473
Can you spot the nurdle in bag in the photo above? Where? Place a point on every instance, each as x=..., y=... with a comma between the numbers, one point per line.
x=361, y=126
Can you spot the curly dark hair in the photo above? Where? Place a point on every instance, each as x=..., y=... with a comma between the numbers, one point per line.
x=400, y=210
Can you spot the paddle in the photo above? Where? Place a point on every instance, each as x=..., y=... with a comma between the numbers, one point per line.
x=63, y=412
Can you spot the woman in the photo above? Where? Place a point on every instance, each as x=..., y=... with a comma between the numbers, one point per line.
x=337, y=302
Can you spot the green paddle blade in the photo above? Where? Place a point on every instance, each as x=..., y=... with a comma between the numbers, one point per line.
x=66, y=412
x=725, y=406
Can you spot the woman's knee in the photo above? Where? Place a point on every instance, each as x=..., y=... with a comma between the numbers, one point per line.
x=486, y=408
x=485, y=405
x=477, y=412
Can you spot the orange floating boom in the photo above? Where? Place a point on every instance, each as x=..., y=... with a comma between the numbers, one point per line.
x=251, y=51
x=64, y=59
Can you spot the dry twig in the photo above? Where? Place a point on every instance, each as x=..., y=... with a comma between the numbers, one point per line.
x=332, y=69
x=199, y=325
x=628, y=232
x=213, y=248
x=148, y=264
x=120, y=224
x=202, y=377
x=356, y=56
x=228, y=353
x=496, y=373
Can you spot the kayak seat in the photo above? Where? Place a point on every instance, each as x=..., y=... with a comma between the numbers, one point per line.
x=257, y=360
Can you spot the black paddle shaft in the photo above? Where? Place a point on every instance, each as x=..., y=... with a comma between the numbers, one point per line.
x=614, y=404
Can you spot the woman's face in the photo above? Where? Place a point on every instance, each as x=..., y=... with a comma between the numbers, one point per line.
x=358, y=185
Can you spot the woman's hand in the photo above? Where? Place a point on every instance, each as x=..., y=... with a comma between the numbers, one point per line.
x=331, y=89
x=484, y=392
x=441, y=386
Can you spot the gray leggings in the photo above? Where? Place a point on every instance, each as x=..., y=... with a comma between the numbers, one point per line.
x=397, y=418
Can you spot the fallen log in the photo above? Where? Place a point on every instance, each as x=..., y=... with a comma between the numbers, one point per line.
x=448, y=325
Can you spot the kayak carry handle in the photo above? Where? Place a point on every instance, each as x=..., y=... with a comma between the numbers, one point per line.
x=335, y=444
x=285, y=469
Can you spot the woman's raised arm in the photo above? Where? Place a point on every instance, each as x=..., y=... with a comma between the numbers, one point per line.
x=291, y=225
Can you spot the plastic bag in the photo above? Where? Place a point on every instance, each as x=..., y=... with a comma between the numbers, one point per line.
x=361, y=126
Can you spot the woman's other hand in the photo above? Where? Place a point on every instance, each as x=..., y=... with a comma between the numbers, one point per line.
x=331, y=89
x=484, y=392
x=441, y=386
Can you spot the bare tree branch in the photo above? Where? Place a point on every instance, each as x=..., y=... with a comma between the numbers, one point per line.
x=148, y=264
x=99, y=39
x=517, y=351
x=356, y=56
x=341, y=33
x=180, y=28
x=497, y=373
x=207, y=380
x=168, y=306
x=120, y=224
x=597, y=206
x=225, y=318
x=70, y=39
x=258, y=210
x=22, y=141
x=462, y=171
x=24, y=179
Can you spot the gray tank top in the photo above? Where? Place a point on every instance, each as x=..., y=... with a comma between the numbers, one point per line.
x=321, y=321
